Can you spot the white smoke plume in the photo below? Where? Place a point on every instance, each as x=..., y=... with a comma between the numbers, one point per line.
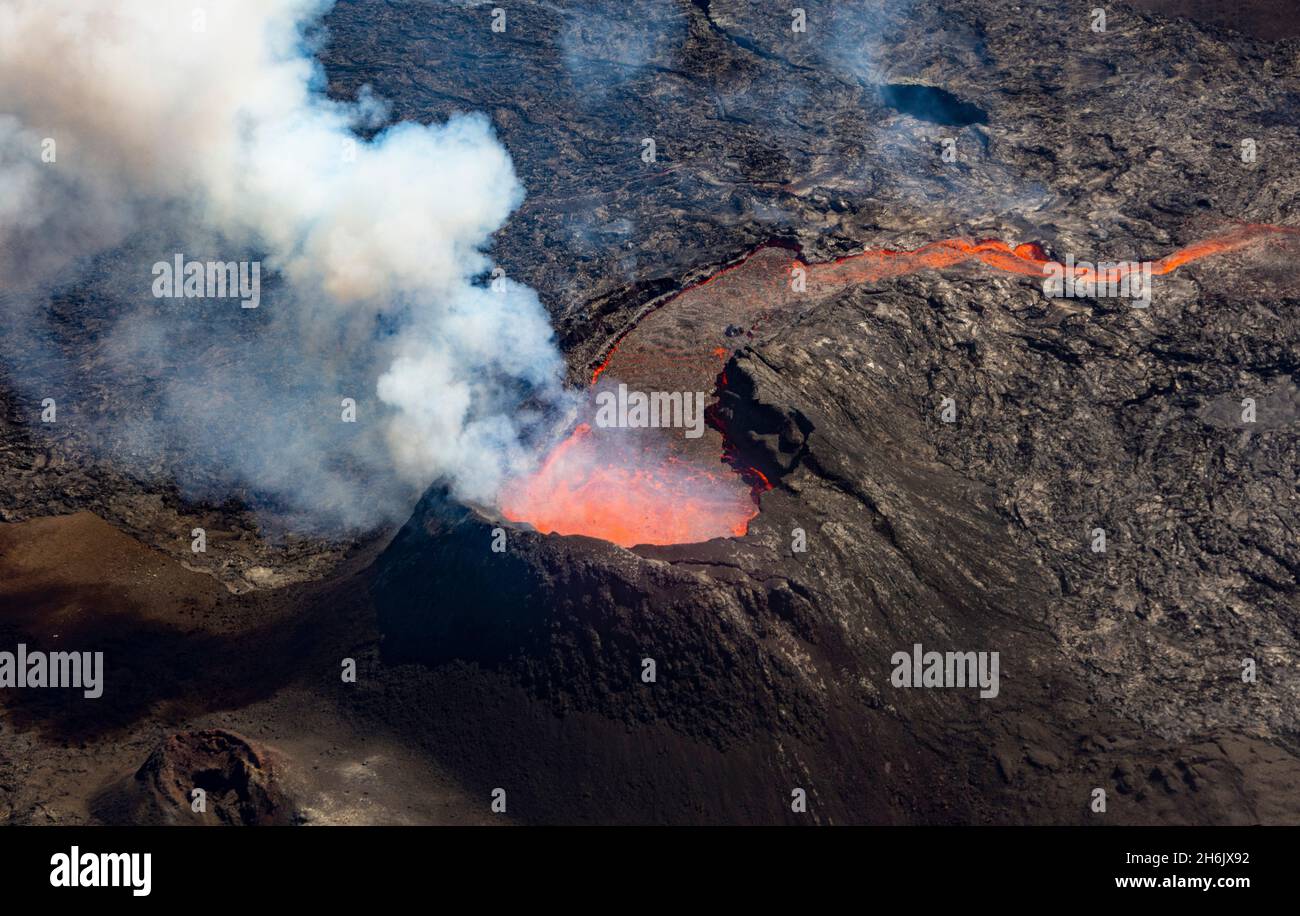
x=210, y=128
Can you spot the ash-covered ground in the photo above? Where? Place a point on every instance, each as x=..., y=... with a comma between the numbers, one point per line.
x=1120, y=670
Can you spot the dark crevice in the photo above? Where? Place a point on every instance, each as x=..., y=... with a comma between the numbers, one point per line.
x=931, y=104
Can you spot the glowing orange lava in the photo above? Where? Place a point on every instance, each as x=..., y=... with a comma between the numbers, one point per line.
x=584, y=488
x=1027, y=259
x=641, y=491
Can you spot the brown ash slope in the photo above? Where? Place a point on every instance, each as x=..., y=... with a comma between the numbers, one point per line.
x=1120, y=670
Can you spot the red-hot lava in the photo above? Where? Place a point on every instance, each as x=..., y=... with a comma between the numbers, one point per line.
x=1028, y=259
x=644, y=489
x=628, y=495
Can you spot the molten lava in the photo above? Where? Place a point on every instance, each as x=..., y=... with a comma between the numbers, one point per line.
x=649, y=489
x=586, y=486
x=1028, y=259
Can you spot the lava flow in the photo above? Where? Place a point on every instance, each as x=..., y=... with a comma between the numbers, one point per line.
x=1027, y=259
x=654, y=486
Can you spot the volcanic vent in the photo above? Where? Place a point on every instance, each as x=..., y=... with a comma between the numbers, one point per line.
x=663, y=486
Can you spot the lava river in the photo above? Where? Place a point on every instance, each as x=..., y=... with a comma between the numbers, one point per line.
x=657, y=486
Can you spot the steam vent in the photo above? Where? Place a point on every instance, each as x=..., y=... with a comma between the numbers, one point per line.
x=654, y=412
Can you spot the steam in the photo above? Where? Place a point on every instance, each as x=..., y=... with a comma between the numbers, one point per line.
x=209, y=129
